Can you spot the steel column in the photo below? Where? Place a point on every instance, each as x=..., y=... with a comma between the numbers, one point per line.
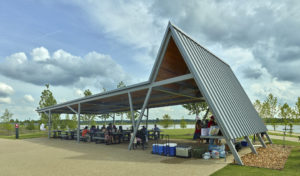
x=131, y=109
x=261, y=140
x=140, y=117
x=234, y=152
x=78, y=124
x=147, y=118
x=269, y=139
x=251, y=145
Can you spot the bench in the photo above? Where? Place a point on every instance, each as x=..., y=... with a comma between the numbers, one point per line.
x=99, y=137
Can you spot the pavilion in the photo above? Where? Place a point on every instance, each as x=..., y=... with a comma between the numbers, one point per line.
x=184, y=72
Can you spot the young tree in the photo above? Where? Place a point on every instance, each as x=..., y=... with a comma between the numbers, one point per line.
x=47, y=99
x=297, y=109
x=196, y=108
x=285, y=113
x=258, y=106
x=73, y=122
x=272, y=110
x=5, y=118
x=182, y=123
x=88, y=118
x=166, y=122
x=120, y=85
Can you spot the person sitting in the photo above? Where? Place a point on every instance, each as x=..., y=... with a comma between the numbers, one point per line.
x=85, y=133
x=155, y=128
x=103, y=128
x=114, y=129
x=108, y=134
x=156, y=132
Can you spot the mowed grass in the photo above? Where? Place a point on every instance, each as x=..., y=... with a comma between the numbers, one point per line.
x=179, y=133
x=27, y=135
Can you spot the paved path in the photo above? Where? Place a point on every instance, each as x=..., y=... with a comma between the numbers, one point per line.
x=41, y=156
x=294, y=139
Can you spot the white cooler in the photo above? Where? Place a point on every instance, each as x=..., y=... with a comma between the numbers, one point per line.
x=184, y=151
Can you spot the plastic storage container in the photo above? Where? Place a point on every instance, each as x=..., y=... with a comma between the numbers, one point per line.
x=244, y=143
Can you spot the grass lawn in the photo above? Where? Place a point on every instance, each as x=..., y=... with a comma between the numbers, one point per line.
x=179, y=133
x=28, y=135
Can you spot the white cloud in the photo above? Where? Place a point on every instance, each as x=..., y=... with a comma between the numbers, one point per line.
x=40, y=54
x=63, y=68
x=5, y=90
x=78, y=92
x=5, y=100
x=28, y=98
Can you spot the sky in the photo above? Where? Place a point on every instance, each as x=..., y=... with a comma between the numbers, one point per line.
x=76, y=45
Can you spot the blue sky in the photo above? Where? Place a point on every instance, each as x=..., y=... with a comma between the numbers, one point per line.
x=76, y=45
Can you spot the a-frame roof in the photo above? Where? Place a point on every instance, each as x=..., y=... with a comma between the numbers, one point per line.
x=184, y=72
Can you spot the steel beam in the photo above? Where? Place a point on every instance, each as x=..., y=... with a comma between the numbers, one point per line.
x=140, y=118
x=170, y=91
x=251, y=145
x=131, y=109
x=78, y=124
x=133, y=88
x=269, y=139
x=261, y=140
x=234, y=152
x=73, y=110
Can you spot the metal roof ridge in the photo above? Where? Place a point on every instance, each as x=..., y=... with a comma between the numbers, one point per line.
x=190, y=38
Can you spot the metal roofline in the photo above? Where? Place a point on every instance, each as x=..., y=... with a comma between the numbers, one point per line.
x=188, y=36
x=92, y=97
x=135, y=87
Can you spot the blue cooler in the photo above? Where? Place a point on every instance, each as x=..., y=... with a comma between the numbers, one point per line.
x=160, y=149
x=244, y=143
x=154, y=149
x=172, y=149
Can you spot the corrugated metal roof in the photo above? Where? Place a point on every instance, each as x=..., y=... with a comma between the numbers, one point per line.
x=230, y=104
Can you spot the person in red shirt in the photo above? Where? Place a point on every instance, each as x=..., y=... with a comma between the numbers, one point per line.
x=211, y=122
x=85, y=131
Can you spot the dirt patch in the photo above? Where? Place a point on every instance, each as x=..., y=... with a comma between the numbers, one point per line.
x=272, y=157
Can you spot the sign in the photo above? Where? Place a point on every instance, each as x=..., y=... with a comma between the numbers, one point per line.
x=16, y=125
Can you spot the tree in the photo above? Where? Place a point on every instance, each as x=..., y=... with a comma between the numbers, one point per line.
x=196, y=108
x=166, y=122
x=120, y=85
x=182, y=123
x=271, y=109
x=297, y=109
x=47, y=99
x=88, y=118
x=258, y=106
x=5, y=118
x=135, y=115
x=73, y=122
x=30, y=125
x=285, y=113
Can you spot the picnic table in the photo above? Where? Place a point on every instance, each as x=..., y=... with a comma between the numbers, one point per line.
x=56, y=133
x=154, y=134
x=67, y=134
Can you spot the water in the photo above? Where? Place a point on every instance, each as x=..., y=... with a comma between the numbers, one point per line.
x=296, y=128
